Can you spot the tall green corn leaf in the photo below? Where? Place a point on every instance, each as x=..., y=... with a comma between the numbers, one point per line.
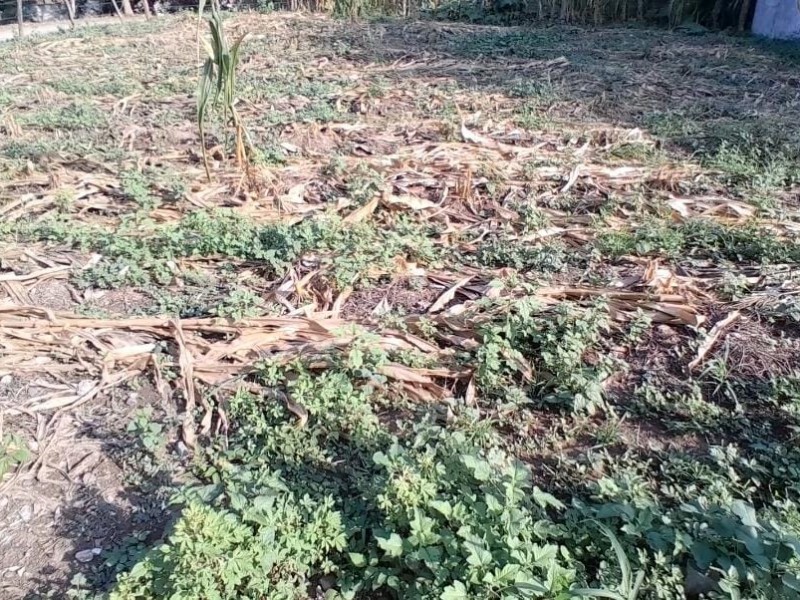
x=204, y=92
x=629, y=589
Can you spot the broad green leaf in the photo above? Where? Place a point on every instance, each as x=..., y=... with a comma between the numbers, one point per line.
x=530, y=588
x=237, y=500
x=480, y=557
x=393, y=545
x=591, y=593
x=703, y=554
x=493, y=504
x=358, y=559
x=441, y=506
x=457, y=591
x=429, y=554
x=481, y=469
x=544, y=499
x=379, y=458
x=791, y=581
x=745, y=512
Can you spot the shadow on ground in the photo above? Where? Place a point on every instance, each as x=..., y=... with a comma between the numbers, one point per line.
x=92, y=504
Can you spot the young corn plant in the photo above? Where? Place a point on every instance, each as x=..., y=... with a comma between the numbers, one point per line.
x=218, y=88
x=630, y=586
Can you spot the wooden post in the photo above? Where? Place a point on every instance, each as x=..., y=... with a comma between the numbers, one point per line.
x=116, y=9
x=71, y=8
x=19, y=17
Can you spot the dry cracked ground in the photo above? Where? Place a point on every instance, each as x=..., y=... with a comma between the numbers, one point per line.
x=589, y=238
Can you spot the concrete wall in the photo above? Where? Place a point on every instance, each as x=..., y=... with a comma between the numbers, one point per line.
x=779, y=19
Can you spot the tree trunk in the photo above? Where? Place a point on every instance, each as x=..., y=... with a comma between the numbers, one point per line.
x=716, y=12
x=640, y=10
x=743, y=14
x=126, y=8
x=19, y=17
x=564, y=14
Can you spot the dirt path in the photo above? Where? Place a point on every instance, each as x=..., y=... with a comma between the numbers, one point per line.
x=10, y=32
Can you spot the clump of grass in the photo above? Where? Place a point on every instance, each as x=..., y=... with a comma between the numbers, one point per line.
x=74, y=117
x=759, y=165
x=700, y=238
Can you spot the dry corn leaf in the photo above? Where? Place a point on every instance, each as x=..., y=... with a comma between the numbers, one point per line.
x=445, y=298
x=363, y=212
x=408, y=201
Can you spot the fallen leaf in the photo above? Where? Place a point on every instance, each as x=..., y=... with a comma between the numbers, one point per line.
x=447, y=296
x=295, y=194
x=362, y=213
x=409, y=201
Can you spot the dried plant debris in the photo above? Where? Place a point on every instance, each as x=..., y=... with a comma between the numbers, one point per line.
x=500, y=300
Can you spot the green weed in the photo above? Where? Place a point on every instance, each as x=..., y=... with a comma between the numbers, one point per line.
x=13, y=452
x=761, y=166
x=149, y=433
x=100, y=86
x=363, y=184
x=700, y=239
x=136, y=188
x=671, y=125
x=523, y=256
x=548, y=348
x=239, y=304
x=74, y=117
x=681, y=410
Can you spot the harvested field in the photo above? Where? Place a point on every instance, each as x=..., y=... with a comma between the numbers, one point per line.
x=485, y=304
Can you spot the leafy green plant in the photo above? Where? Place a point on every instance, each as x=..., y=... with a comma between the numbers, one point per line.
x=262, y=548
x=762, y=165
x=552, y=347
x=13, y=452
x=684, y=409
x=136, y=187
x=459, y=523
x=702, y=238
x=149, y=433
x=78, y=116
x=240, y=303
x=499, y=252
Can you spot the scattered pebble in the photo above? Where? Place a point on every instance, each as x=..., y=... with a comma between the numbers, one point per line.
x=26, y=512
x=87, y=555
x=181, y=449
x=84, y=386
